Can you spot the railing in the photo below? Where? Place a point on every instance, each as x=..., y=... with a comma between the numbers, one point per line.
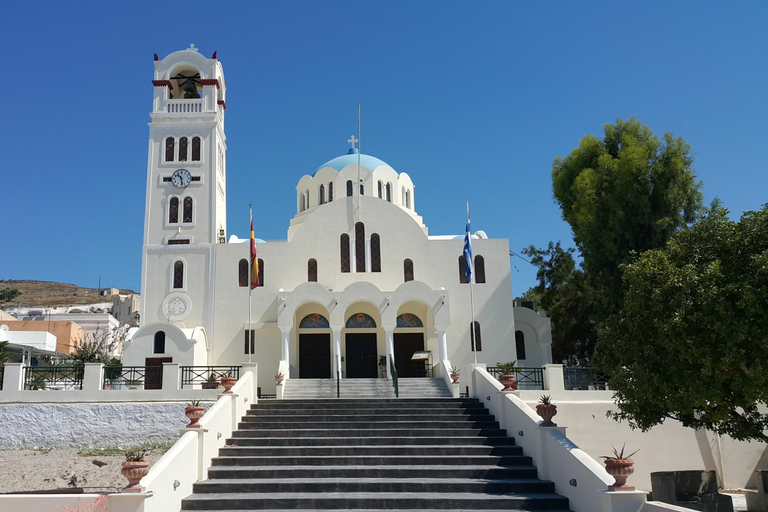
x=207, y=375
x=185, y=106
x=117, y=377
x=393, y=371
x=582, y=377
x=53, y=377
x=527, y=378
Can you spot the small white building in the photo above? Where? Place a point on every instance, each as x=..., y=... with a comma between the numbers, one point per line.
x=357, y=277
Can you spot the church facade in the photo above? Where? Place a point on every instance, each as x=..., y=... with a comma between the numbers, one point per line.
x=358, y=276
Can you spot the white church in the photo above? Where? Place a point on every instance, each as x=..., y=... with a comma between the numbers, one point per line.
x=358, y=276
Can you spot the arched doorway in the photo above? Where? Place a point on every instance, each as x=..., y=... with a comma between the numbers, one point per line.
x=409, y=338
x=360, y=345
x=314, y=347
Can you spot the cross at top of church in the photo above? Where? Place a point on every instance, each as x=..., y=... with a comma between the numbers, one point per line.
x=352, y=141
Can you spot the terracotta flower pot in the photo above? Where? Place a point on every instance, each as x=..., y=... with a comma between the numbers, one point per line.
x=279, y=379
x=455, y=378
x=228, y=383
x=509, y=382
x=194, y=414
x=134, y=471
x=547, y=412
x=620, y=469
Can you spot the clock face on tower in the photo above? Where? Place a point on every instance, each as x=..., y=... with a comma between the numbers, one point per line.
x=181, y=178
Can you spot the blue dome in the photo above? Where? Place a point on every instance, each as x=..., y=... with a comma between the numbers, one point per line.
x=340, y=162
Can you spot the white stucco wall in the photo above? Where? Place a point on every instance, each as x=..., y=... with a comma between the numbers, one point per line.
x=90, y=425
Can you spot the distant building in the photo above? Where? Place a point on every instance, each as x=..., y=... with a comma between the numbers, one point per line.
x=60, y=337
x=126, y=309
x=109, y=291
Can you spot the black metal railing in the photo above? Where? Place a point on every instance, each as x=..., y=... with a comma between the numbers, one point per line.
x=121, y=377
x=53, y=377
x=207, y=375
x=393, y=371
x=583, y=377
x=2, y=376
x=527, y=378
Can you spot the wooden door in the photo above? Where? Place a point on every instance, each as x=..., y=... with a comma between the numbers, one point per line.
x=315, y=356
x=153, y=379
x=361, y=356
x=406, y=343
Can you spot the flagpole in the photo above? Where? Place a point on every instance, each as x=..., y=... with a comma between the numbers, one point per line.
x=473, y=334
x=250, y=290
x=359, y=154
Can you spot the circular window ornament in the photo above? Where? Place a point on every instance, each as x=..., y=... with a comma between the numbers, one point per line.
x=177, y=306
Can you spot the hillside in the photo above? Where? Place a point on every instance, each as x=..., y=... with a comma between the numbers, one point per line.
x=49, y=294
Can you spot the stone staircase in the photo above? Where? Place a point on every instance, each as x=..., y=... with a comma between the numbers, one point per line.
x=423, y=388
x=348, y=388
x=388, y=454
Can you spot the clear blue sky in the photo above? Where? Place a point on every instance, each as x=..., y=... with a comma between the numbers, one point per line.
x=470, y=98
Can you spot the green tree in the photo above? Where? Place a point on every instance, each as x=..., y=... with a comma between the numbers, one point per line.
x=629, y=192
x=8, y=294
x=691, y=339
x=5, y=355
x=565, y=294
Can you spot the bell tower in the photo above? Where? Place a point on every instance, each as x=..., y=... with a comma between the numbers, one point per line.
x=185, y=213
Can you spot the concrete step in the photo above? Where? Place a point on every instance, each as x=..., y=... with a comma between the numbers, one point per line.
x=372, y=471
x=377, y=450
x=374, y=501
x=371, y=441
x=370, y=460
x=399, y=432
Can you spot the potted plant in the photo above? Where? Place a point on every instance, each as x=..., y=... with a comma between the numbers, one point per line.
x=279, y=377
x=228, y=381
x=547, y=410
x=455, y=374
x=211, y=382
x=134, y=469
x=619, y=466
x=507, y=377
x=194, y=412
x=383, y=366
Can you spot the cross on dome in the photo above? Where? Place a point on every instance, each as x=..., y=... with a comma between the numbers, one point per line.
x=352, y=141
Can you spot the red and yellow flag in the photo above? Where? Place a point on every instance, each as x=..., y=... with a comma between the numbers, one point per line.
x=254, y=260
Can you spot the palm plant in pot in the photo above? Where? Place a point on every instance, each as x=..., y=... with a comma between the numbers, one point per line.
x=134, y=468
x=194, y=412
x=619, y=466
x=507, y=377
x=211, y=382
x=455, y=374
x=547, y=410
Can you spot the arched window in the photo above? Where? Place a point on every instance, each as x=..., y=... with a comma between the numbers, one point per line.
x=362, y=189
x=158, y=347
x=261, y=272
x=520, y=344
x=476, y=338
x=187, y=209
x=408, y=269
x=345, y=259
x=173, y=210
x=409, y=320
x=195, y=149
x=359, y=247
x=375, y=253
x=302, y=207
x=314, y=321
x=349, y=188
x=360, y=321
x=306, y=198
x=479, y=269
x=178, y=274
x=330, y=192
x=408, y=199
x=170, y=144
x=321, y=195
x=312, y=270
x=389, y=192
x=463, y=269
x=402, y=196
x=242, y=273
x=380, y=190
x=183, y=149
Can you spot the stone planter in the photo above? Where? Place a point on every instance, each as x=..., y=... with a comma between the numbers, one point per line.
x=228, y=383
x=508, y=381
x=210, y=385
x=134, y=471
x=620, y=469
x=547, y=412
x=279, y=379
x=194, y=414
x=455, y=378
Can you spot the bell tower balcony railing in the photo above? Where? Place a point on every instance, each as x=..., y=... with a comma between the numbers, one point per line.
x=184, y=106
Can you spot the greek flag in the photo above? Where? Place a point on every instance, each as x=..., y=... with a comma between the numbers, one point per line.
x=468, y=251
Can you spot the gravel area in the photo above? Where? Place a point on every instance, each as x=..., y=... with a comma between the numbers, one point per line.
x=30, y=470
